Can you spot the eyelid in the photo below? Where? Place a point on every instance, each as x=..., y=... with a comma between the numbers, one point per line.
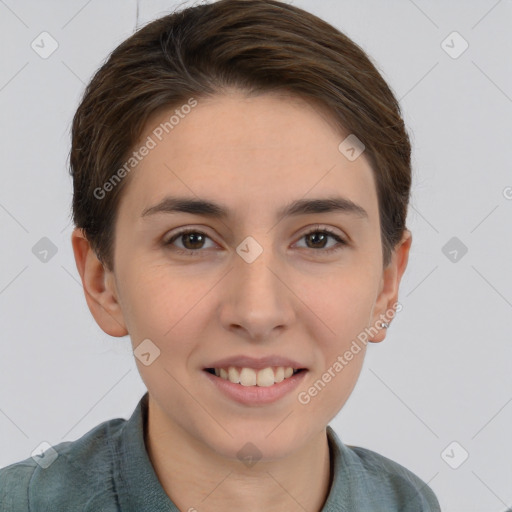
x=342, y=240
x=176, y=233
x=326, y=228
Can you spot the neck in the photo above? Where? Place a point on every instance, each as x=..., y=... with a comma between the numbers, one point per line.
x=196, y=478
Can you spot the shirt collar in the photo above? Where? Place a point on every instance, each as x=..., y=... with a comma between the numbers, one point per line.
x=138, y=484
x=138, y=487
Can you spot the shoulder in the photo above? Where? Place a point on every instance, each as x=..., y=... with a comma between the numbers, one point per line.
x=14, y=483
x=65, y=477
x=400, y=486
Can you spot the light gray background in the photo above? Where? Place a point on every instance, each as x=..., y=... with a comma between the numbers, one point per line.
x=443, y=373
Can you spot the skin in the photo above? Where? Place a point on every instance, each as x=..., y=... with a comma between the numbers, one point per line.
x=253, y=155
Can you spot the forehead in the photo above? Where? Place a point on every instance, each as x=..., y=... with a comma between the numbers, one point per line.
x=249, y=152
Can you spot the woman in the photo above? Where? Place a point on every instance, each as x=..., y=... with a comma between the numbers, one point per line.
x=241, y=179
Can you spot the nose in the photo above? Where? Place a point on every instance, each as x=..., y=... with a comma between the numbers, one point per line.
x=257, y=301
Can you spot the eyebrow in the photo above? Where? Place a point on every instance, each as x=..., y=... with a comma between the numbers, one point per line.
x=214, y=210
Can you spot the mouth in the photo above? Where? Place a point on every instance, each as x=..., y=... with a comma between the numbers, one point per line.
x=255, y=387
x=249, y=377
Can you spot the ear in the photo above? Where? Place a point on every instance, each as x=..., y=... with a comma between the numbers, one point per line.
x=99, y=287
x=390, y=282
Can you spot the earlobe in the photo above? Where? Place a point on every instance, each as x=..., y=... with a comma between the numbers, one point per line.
x=384, y=310
x=99, y=287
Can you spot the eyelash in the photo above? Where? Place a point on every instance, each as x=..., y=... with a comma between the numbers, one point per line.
x=324, y=230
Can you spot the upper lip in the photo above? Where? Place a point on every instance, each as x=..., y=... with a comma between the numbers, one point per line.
x=256, y=362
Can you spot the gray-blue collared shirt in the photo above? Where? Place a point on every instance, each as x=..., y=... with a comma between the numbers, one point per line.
x=108, y=470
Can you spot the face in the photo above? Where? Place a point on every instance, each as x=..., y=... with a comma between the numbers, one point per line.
x=301, y=285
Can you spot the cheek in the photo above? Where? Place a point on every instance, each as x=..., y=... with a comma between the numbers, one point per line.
x=162, y=311
x=324, y=395
x=153, y=299
x=146, y=303
x=341, y=303
x=167, y=309
x=341, y=310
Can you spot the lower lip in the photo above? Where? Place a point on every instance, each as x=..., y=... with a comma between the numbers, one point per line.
x=256, y=395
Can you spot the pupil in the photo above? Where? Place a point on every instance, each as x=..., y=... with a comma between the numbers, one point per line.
x=190, y=236
x=315, y=235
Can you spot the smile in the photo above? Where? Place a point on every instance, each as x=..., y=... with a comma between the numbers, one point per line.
x=252, y=377
x=252, y=393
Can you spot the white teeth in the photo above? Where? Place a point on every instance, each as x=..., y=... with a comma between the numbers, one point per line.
x=251, y=377
x=279, y=374
x=233, y=375
x=265, y=377
x=248, y=377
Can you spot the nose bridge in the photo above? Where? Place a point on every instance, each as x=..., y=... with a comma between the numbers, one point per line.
x=256, y=259
x=258, y=300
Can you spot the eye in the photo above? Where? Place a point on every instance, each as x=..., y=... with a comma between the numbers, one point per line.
x=322, y=234
x=192, y=240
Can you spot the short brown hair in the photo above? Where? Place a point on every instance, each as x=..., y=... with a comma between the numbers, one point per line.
x=255, y=46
